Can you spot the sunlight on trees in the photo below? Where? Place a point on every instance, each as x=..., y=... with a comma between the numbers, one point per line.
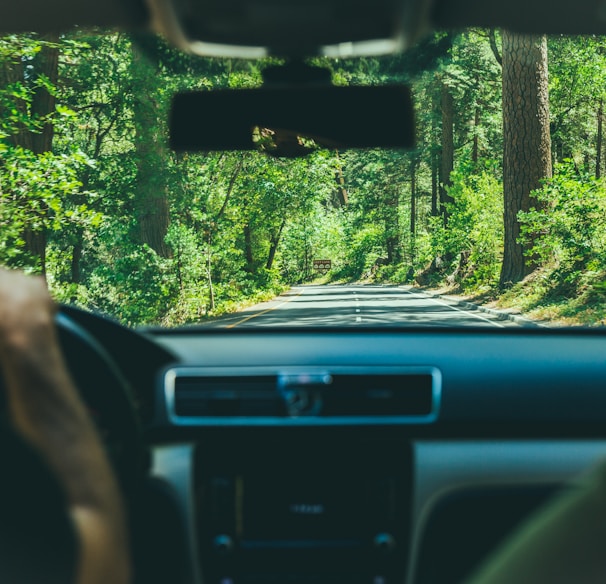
x=91, y=196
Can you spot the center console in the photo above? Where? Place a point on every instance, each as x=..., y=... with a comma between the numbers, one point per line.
x=308, y=507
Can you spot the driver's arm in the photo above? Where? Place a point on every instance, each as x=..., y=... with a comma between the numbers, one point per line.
x=47, y=411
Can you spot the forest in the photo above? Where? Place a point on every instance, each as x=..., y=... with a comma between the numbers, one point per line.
x=497, y=202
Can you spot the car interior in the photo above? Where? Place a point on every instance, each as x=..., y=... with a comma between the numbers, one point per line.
x=305, y=455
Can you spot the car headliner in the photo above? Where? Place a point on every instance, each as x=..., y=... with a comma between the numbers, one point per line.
x=416, y=16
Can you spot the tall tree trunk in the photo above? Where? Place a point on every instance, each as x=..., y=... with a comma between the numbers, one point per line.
x=209, y=273
x=393, y=243
x=44, y=64
x=599, y=139
x=413, y=198
x=307, y=252
x=151, y=191
x=413, y=208
x=435, y=151
x=230, y=190
x=273, y=248
x=494, y=47
x=76, y=272
x=435, y=185
x=527, y=144
x=248, y=249
x=475, y=154
x=342, y=195
x=447, y=164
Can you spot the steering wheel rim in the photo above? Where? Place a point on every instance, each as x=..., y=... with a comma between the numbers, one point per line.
x=108, y=396
x=38, y=542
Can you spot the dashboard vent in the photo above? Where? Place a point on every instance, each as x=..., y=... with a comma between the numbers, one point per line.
x=338, y=396
x=227, y=396
x=380, y=395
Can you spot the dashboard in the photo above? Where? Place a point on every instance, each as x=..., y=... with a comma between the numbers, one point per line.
x=363, y=455
x=337, y=455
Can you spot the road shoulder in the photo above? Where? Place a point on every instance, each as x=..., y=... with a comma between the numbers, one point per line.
x=472, y=306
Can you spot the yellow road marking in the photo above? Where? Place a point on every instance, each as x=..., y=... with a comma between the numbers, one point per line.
x=265, y=311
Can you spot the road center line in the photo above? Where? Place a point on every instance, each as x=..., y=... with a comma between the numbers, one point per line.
x=230, y=326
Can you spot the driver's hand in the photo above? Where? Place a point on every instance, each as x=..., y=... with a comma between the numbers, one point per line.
x=26, y=312
x=46, y=409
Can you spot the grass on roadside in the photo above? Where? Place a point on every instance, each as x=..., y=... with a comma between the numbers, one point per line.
x=578, y=299
x=548, y=295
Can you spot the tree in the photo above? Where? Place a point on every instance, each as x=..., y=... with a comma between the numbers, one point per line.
x=38, y=81
x=99, y=126
x=447, y=165
x=577, y=79
x=527, y=143
x=151, y=196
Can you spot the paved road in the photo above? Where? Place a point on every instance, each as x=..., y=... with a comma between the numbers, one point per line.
x=358, y=306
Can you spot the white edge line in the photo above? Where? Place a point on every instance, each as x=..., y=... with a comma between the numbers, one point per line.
x=443, y=302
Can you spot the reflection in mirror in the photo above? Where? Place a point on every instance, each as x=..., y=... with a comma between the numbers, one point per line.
x=284, y=143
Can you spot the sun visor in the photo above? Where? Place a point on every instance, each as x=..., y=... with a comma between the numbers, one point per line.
x=44, y=16
x=256, y=28
x=533, y=17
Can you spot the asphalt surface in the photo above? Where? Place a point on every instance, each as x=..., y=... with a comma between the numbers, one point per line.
x=358, y=305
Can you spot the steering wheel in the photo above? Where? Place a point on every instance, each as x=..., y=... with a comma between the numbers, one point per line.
x=38, y=543
x=108, y=397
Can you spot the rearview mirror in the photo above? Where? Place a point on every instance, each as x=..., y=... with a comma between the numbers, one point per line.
x=293, y=121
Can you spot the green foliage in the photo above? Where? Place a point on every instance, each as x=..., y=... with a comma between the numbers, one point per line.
x=366, y=248
x=230, y=228
x=569, y=228
x=134, y=288
x=40, y=192
x=577, y=83
x=473, y=238
x=190, y=300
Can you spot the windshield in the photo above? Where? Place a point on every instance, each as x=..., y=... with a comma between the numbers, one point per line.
x=495, y=218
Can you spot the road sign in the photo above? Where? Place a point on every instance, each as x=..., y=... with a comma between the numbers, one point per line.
x=322, y=266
